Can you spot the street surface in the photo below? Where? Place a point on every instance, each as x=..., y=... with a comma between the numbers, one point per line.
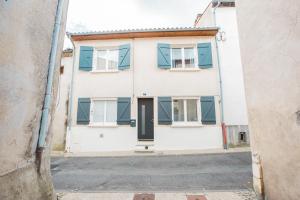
x=188, y=173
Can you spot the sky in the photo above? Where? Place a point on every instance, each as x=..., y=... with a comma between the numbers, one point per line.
x=99, y=15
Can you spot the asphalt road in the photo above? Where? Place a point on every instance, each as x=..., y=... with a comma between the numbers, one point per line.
x=231, y=171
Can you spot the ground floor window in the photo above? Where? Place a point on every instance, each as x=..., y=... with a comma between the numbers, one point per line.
x=185, y=110
x=104, y=112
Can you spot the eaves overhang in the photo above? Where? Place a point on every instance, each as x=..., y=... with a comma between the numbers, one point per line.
x=144, y=33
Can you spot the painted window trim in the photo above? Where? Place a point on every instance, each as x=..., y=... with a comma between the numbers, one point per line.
x=95, y=60
x=183, y=68
x=101, y=124
x=185, y=122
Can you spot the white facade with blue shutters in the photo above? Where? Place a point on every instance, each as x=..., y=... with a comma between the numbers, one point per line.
x=145, y=90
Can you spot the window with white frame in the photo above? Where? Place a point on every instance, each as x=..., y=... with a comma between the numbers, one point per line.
x=104, y=112
x=107, y=60
x=186, y=110
x=183, y=57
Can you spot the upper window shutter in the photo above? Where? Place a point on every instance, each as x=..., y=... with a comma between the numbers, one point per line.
x=83, y=111
x=86, y=58
x=164, y=56
x=123, y=110
x=208, y=112
x=164, y=110
x=204, y=55
x=124, y=57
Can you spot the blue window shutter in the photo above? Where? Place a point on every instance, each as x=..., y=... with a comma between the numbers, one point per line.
x=124, y=57
x=204, y=55
x=86, y=58
x=164, y=110
x=123, y=110
x=164, y=56
x=208, y=111
x=83, y=111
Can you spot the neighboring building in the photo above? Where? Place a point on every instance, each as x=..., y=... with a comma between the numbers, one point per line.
x=59, y=127
x=270, y=38
x=222, y=14
x=145, y=90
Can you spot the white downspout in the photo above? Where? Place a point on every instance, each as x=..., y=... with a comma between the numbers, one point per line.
x=225, y=146
x=48, y=96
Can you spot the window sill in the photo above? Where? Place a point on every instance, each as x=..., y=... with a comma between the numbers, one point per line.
x=184, y=125
x=103, y=125
x=105, y=71
x=196, y=69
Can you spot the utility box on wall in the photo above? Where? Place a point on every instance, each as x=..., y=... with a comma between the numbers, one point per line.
x=132, y=123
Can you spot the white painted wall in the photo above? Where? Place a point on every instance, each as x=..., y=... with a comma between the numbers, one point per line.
x=145, y=77
x=235, y=110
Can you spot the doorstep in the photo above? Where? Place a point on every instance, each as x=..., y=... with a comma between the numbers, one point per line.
x=154, y=153
x=144, y=147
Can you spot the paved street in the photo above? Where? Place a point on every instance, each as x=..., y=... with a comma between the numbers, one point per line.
x=230, y=171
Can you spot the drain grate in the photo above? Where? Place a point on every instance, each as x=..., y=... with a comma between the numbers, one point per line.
x=196, y=197
x=144, y=197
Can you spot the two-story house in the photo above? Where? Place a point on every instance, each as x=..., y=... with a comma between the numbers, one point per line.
x=145, y=90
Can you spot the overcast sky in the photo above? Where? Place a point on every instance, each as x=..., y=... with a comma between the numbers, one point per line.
x=95, y=15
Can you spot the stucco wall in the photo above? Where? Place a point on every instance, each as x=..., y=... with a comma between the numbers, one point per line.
x=26, y=30
x=269, y=37
x=145, y=77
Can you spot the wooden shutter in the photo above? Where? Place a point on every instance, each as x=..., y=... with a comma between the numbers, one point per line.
x=204, y=55
x=123, y=110
x=83, y=111
x=164, y=56
x=86, y=58
x=164, y=110
x=208, y=112
x=124, y=57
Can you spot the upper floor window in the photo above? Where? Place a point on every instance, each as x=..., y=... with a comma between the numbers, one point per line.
x=107, y=60
x=183, y=57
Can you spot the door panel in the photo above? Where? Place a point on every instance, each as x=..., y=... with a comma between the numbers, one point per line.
x=145, y=119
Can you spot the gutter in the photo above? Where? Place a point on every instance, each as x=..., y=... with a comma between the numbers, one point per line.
x=51, y=69
x=224, y=132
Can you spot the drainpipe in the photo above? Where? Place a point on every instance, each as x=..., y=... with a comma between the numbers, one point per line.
x=48, y=96
x=224, y=132
x=69, y=118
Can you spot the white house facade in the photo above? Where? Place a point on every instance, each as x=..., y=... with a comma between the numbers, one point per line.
x=145, y=90
x=222, y=13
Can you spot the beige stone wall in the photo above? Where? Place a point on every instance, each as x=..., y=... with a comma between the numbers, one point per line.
x=270, y=38
x=59, y=124
x=26, y=30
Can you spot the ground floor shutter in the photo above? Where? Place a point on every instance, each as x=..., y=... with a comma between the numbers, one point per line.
x=123, y=110
x=208, y=111
x=164, y=110
x=83, y=111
